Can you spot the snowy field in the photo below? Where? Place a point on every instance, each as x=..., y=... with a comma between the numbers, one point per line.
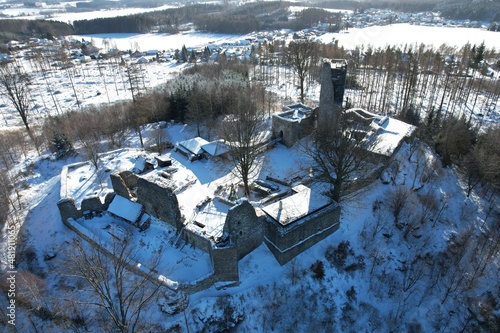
x=408, y=34
x=159, y=41
x=376, y=36
x=58, y=13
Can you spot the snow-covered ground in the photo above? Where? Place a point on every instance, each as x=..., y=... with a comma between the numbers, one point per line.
x=273, y=297
x=408, y=34
x=268, y=291
x=58, y=12
x=160, y=41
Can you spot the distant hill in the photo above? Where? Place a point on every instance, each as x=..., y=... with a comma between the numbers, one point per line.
x=15, y=29
x=217, y=18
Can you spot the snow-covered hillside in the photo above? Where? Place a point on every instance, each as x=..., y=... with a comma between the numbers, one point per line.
x=413, y=253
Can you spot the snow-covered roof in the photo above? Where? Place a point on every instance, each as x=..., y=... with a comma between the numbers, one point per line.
x=215, y=148
x=125, y=209
x=304, y=202
x=389, y=134
x=193, y=145
x=295, y=112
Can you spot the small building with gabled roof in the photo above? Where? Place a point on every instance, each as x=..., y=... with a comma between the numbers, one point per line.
x=216, y=148
x=192, y=148
x=129, y=211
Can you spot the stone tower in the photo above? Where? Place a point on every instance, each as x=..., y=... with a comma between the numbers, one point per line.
x=339, y=75
x=326, y=94
x=333, y=78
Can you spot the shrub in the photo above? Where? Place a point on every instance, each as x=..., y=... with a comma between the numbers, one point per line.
x=318, y=270
x=337, y=256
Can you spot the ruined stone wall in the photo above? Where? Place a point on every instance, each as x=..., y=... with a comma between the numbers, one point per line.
x=245, y=229
x=292, y=131
x=160, y=202
x=287, y=242
x=119, y=185
x=129, y=178
x=67, y=209
x=198, y=241
x=93, y=204
x=225, y=263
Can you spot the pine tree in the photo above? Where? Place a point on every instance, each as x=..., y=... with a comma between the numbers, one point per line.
x=192, y=57
x=183, y=55
x=62, y=146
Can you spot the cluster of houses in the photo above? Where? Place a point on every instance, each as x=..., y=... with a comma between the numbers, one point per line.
x=372, y=17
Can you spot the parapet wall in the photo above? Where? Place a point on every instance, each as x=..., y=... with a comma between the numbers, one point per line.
x=68, y=209
x=287, y=242
x=196, y=240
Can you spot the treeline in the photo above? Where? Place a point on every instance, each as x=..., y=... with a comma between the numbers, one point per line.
x=166, y=20
x=481, y=10
x=212, y=18
x=269, y=16
x=23, y=29
x=106, y=4
x=243, y=19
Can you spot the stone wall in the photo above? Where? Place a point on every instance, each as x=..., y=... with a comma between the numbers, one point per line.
x=129, y=178
x=160, y=202
x=287, y=242
x=225, y=263
x=93, y=204
x=198, y=241
x=67, y=209
x=245, y=229
x=291, y=130
x=119, y=185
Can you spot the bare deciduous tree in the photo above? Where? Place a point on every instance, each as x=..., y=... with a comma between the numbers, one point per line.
x=243, y=130
x=398, y=201
x=339, y=152
x=15, y=84
x=122, y=294
x=302, y=57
